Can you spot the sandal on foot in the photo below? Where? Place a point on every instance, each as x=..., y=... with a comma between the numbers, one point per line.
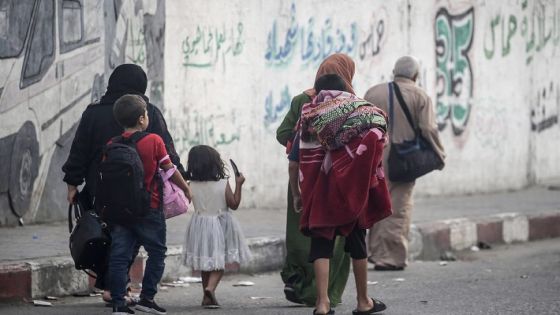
x=388, y=268
x=378, y=306
x=213, y=302
x=330, y=312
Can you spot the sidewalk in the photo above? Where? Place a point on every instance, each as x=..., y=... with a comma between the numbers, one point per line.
x=35, y=261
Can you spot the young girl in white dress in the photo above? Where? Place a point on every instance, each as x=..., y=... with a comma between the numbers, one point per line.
x=214, y=237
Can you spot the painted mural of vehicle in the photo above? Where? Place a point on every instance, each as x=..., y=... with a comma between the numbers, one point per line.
x=51, y=67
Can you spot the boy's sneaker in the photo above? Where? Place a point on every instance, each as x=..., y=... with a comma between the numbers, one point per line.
x=150, y=307
x=122, y=310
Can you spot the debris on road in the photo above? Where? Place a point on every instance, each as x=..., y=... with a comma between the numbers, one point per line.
x=484, y=245
x=175, y=284
x=524, y=277
x=475, y=248
x=443, y=263
x=41, y=303
x=399, y=279
x=191, y=279
x=244, y=284
x=424, y=302
x=260, y=297
x=51, y=298
x=372, y=282
x=448, y=256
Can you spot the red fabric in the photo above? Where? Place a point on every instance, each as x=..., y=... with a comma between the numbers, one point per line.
x=151, y=150
x=343, y=188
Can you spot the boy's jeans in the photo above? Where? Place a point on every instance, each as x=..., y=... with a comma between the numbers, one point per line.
x=150, y=233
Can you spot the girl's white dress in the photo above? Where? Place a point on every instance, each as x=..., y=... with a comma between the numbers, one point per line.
x=214, y=237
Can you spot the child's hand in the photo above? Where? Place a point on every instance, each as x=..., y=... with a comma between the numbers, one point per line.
x=239, y=180
x=188, y=192
x=298, y=204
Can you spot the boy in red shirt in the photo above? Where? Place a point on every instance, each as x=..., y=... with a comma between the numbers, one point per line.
x=150, y=230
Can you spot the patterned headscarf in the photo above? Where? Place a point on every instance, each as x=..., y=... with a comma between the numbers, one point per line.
x=339, y=64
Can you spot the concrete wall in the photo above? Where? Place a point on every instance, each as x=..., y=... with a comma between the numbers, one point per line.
x=487, y=66
x=231, y=68
x=55, y=59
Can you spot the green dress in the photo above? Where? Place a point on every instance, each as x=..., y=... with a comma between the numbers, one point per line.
x=297, y=271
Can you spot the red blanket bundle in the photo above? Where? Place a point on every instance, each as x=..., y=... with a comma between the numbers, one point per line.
x=343, y=188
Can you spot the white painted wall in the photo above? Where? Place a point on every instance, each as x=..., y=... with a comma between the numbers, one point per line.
x=233, y=91
x=230, y=69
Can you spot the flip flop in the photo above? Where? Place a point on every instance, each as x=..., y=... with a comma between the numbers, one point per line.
x=330, y=312
x=387, y=268
x=213, y=302
x=378, y=306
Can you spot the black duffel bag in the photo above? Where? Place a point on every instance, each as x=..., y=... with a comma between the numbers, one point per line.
x=90, y=240
x=410, y=159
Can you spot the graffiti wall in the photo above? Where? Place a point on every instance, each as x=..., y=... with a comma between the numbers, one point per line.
x=55, y=58
x=229, y=82
x=483, y=64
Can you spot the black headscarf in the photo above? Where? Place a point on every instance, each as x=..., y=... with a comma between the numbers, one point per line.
x=126, y=79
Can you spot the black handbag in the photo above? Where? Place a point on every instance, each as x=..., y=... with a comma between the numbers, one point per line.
x=90, y=240
x=410, y=159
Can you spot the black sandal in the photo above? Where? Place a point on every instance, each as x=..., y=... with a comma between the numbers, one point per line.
x=388, y=268
x=378, y=306
x=330, y=312
x=213, y=302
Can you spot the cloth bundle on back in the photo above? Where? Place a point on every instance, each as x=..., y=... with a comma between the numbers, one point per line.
x=341, y=177
x=297, y=273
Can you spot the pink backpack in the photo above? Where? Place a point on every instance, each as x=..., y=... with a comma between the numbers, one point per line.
x=174, y=200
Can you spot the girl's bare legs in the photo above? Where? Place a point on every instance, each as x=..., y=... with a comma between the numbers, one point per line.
x=360, y=276
x=205, y=275
x=321, y=268
x=213, y=280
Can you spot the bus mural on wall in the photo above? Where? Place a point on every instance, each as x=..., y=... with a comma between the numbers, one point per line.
x=53, y=63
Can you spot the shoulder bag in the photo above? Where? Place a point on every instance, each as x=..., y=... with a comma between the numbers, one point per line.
x=410, y=159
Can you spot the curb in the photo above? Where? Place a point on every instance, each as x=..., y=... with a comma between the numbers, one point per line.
x=428, y=241
x=58, y=277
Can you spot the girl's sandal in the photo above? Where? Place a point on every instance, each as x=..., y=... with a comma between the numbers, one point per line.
x=213, y=304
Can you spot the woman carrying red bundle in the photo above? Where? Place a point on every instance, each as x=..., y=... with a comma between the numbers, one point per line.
x=341, y=182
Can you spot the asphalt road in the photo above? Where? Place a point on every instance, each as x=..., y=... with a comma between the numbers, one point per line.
x=517, y=279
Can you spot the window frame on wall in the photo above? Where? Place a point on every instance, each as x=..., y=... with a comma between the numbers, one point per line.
x=47, y=57
x=68, y=46
x=11, y=21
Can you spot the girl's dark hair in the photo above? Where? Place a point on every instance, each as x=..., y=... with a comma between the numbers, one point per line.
x=329, y=82
x=205, y=164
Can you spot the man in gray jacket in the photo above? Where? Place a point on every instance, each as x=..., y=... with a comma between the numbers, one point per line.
x=388, y=242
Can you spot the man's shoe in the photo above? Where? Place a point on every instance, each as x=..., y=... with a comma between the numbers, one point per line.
x=150, y=307
x=122, y=310
x=388, y=268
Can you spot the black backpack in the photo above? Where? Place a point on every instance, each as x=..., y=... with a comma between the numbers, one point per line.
x=121, y=195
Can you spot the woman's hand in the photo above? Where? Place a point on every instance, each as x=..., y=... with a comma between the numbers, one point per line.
x=72, y=192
